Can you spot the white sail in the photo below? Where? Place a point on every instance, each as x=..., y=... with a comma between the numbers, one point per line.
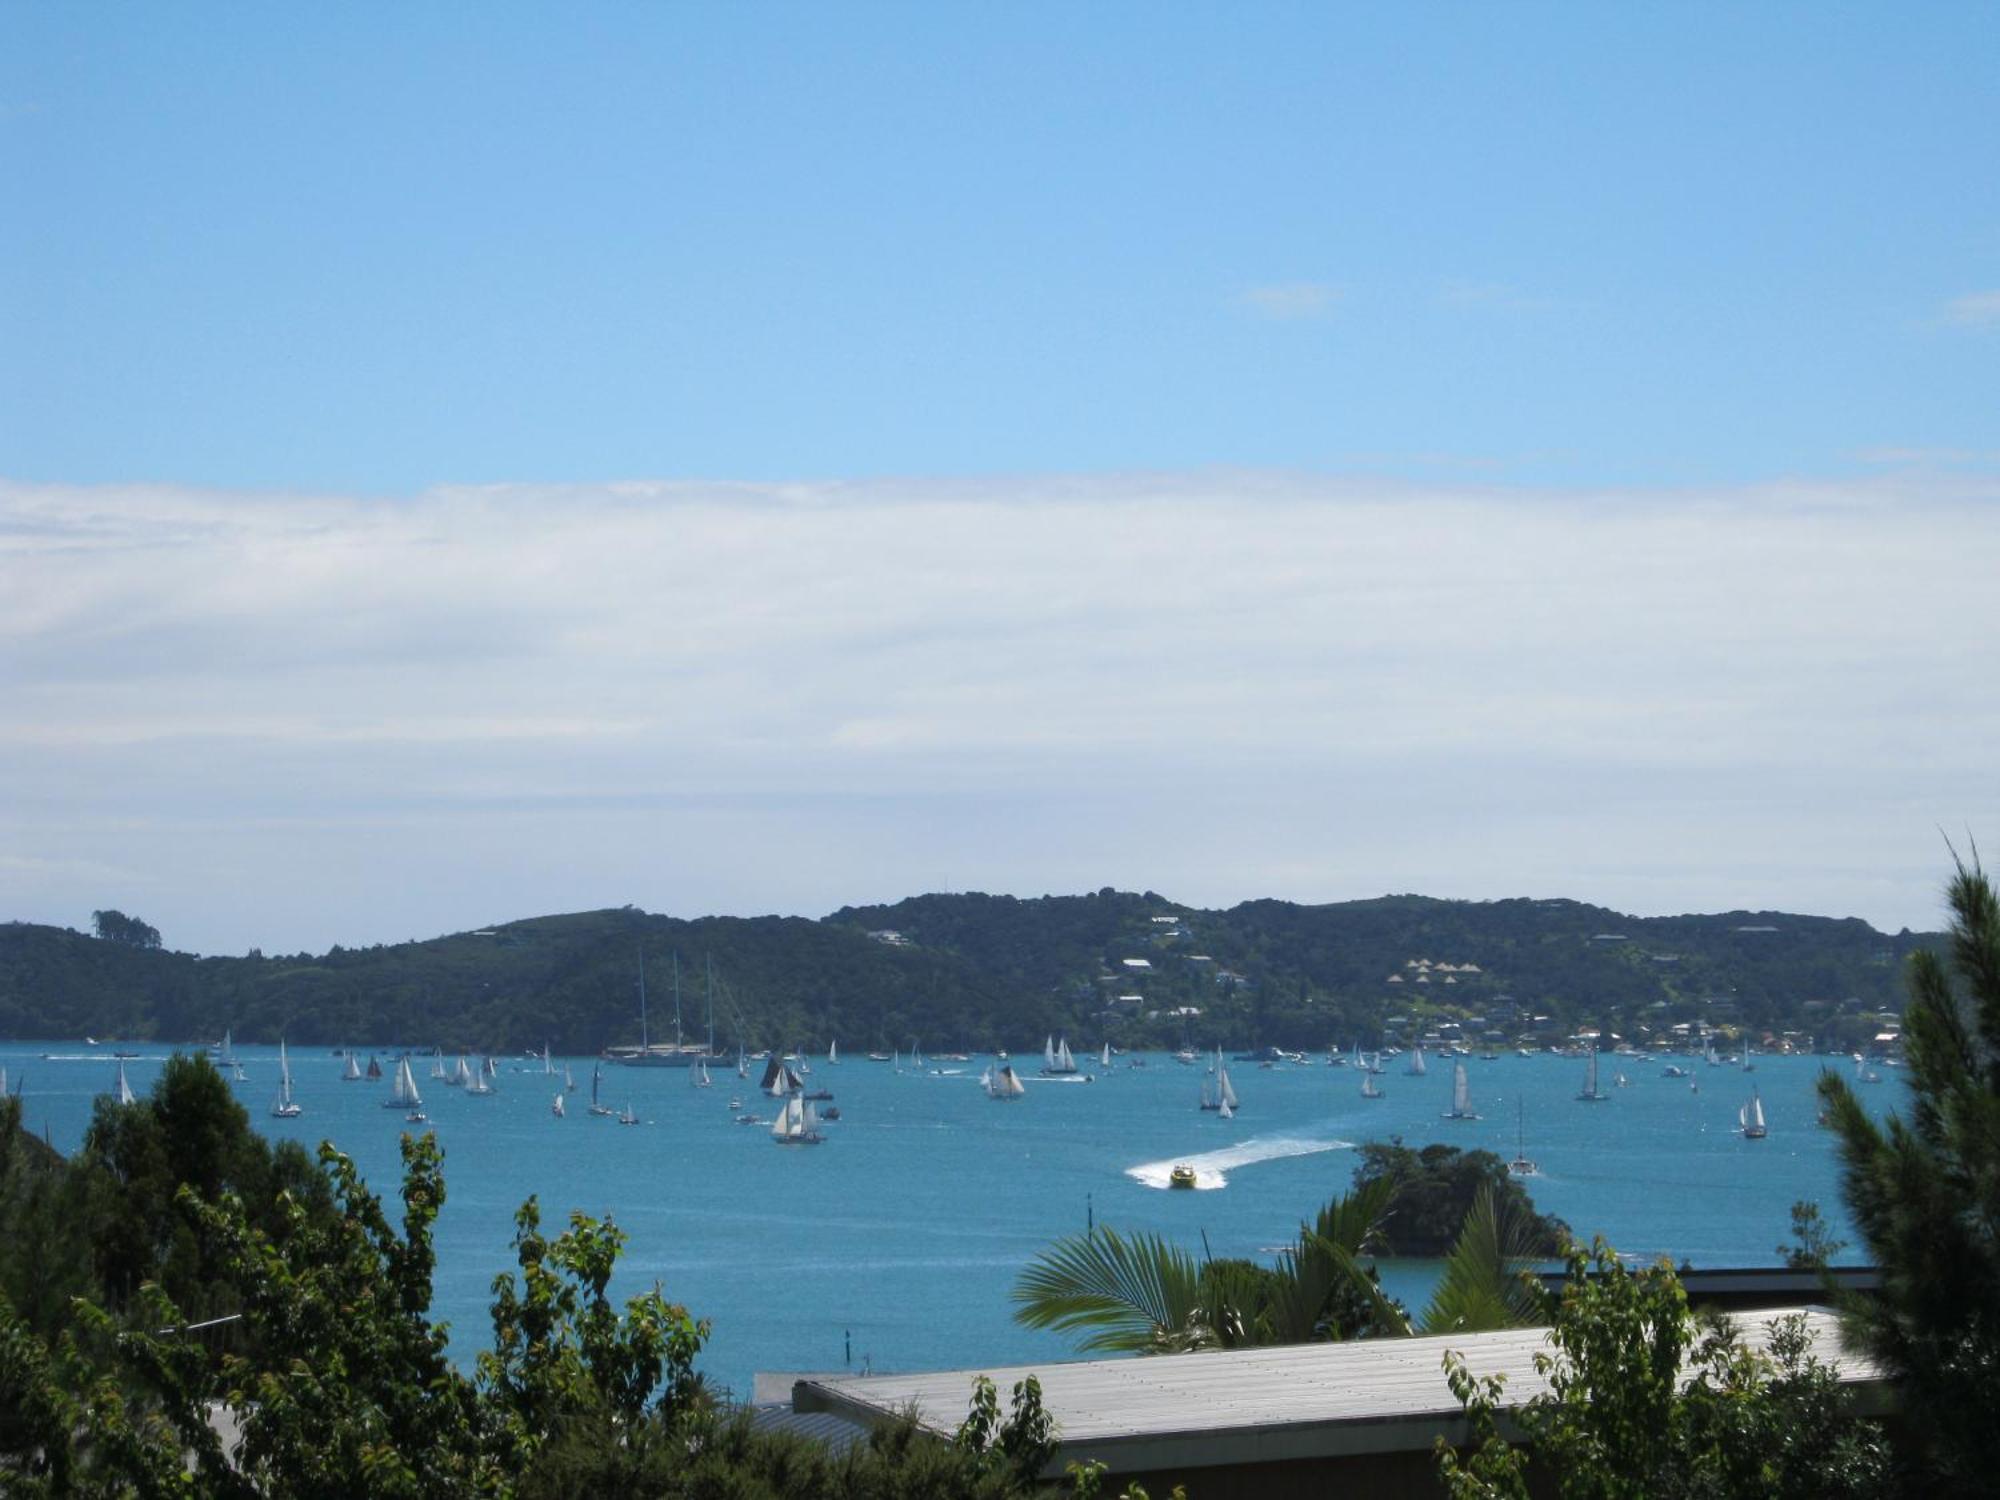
x=1416, y=1067
x=1461, y=1095
x=1368, y=1089
x=1227, y=1111
x=352, y=1072
x=1104, y=1057
x=1224, y=1092
x=437, y=1065
x=1049, y=1054
x=479, y=1085
x=125, y=1094
x=557, y=1107
x=569, y=1080
x=1751, y=1118
x=1004, y=1083
x=1064, y=1062
x=833, y=1054
x=1591, y=1093
x=282, y=1107
x=404, y=1095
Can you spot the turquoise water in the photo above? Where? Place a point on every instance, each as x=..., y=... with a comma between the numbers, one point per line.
x=899, y=1239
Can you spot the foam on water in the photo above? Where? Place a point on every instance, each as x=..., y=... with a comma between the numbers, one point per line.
x=1211, y=1168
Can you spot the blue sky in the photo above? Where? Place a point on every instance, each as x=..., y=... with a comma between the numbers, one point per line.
x=863, y=449
x=377, y=248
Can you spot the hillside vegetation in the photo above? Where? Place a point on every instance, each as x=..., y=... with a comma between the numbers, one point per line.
x=976, y=971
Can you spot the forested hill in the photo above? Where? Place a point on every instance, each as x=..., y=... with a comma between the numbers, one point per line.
x=975, y=971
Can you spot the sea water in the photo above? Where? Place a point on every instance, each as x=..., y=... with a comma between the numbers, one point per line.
x=894, y=1245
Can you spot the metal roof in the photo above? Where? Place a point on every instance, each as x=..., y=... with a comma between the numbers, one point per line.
x=1187, y=1411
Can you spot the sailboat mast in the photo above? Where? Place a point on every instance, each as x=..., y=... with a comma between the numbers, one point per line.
x=645, y=1045
x=677, y=1002
x=708, y=990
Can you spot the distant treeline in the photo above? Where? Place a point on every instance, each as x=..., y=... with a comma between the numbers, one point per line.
x=973, y=972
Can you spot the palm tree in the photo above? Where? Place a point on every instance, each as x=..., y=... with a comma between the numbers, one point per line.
x=1143, y=1295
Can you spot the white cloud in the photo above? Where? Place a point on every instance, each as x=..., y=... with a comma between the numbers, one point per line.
x=1974, y=310
x=1292, y=301
x=322, y=718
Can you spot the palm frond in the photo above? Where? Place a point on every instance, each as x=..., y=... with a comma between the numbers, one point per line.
x=1482, y=1288
x=1136, y=1295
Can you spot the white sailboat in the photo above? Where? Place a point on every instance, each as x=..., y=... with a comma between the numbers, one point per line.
x=1750, y=1119
x=597, y=1077
x=461, y=1076
x=1056, y=1059
x=352, y=1072
x=1221, y=1094
x=403, y=1093
x=1747, y=1065
x=1368, y=1089
x=548, y=1065
x=1591, y=1093
x=437, y=1066
x=630, y=1117
x=1416, y=1067
x=1004, y=1083
x=833, y=1054
x=1520, y=1166
x=797, y=1123
x=125, y=1094
x=1104, y=1057
x=283, y=1107
x=478, y=1083
x=779, y=1080
x=1227, y=1111
x=1461, y=1095
x=569, y=1080
x=698, y=1075
x=557, y=1108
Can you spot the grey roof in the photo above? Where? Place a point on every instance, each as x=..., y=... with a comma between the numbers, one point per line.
x=1190, y=1411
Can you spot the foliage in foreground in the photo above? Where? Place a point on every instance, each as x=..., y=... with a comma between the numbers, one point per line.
x=1645, y=1402
x=1924, y=1192
x=339, y=1384
x=1143, y=1294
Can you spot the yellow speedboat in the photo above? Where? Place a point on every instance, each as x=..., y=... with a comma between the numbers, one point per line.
x=1182, y=1176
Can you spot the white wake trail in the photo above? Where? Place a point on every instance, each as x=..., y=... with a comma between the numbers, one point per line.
x=1211, y=1168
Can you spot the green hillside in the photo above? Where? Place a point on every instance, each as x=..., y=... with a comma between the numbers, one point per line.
x=975, y=971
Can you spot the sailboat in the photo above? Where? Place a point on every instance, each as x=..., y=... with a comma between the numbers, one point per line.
x=1750, y=1119
x=779, y=1080
x=833, y=1054
x=597, y=1077
x=1222, y=1094
x=548, y=1065
x=1004, y=1083
x=463, y=1077
x=630, y=1117
x=1226, y=1111
x=797, y=1124
x=352, y=1072
x=374, y=1066
x=557, y=1108
x=1747, y=1065
x=437, y=1066
x=1520, y=1166
x=1368, y=1089
x=125, y=1094
x=1056, y=1059
x=479, y=1085
x=1461, y=1095
x=403, y=1093
x=282, y=1107
x=1416, y=1066
x=742, y=1070
x=1592, y=1094
x=698, y=1075
x=569, y=1080
x=1104, y=1057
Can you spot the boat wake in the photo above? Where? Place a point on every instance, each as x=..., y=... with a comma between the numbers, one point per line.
x=1212, y=1168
